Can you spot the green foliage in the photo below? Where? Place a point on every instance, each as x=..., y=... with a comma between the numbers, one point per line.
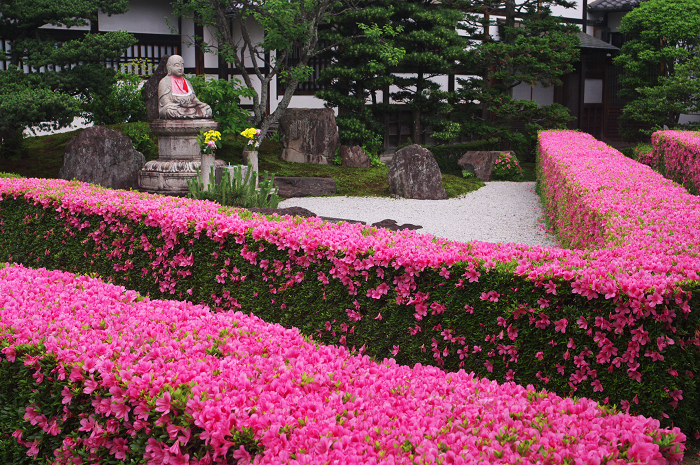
x=23, y=103
x=224, y=98
x=122, y=104
x=433, y=48
x=238, y=190
x=290, y=29
x=9, y=175
x=142, y=137
x=73, y=72
x=506, y=168
x=359, y=70
x=534, y=48
x=659, y=66
x=307, y=303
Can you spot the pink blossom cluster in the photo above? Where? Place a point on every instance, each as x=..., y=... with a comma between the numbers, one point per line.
x=171, y=382
x=676, y=154
x=506, y=167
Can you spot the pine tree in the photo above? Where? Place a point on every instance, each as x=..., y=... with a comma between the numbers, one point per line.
x=62, y=76
x=359, y=70
x=531, y=47
x=433, y=48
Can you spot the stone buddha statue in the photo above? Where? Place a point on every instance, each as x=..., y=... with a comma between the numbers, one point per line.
x=176, y=99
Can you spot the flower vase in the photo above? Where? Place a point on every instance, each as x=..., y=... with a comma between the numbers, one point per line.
x=251, y=157
x=205, y=167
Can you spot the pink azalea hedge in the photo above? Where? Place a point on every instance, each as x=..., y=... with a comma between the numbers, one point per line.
x=676, y=154
x=119, y=377
x=612, y=320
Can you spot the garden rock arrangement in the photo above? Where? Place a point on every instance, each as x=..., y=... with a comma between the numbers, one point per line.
x=480, y=163
x=308, y=135
x=414, y=174
x=102, y=156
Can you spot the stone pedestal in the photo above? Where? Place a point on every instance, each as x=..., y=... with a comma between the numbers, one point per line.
x=178, y=156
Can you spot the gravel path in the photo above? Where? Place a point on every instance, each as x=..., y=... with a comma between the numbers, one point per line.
x=498, y=212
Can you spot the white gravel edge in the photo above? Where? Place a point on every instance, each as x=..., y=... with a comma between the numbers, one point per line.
x=501, y=211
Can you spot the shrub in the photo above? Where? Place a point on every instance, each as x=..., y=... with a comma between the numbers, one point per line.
x=224, y=98
x=506, y=168
x=9, y=175
x=613, y=322
x=107, y=375
x=144, y=140
x=123, y=104
x=676, y=155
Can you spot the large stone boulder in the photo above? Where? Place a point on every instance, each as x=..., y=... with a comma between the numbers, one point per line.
x=149, y=91
x=354, y=157
x=480, y=162
x=304, y=187
x=414, y=174
x=101, y=156
x=308, y=135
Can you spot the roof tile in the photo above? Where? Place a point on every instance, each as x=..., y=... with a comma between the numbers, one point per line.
x=613, y=5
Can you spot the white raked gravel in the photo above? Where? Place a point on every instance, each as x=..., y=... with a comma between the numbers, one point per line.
x=498, y=212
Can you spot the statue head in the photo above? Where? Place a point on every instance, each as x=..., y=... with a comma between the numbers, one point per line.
x=176, y=66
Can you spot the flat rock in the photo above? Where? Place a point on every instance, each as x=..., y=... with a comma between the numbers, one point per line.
x=291, y=211
x=304, y=187
x=304, y=213
x=393, y=226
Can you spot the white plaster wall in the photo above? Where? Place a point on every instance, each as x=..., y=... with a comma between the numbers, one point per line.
x=539, y=94
x=74, y=28
x=256, y=35
x=186, y=47
x=300, y=101
x=614, y=21
x=575, y=13
x=443, y=80
x=211, y=60
x=256, y=86
x=689, y=119
x=142, y=17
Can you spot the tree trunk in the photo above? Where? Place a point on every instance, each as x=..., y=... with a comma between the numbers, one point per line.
x=415, y=130
x=416, y=112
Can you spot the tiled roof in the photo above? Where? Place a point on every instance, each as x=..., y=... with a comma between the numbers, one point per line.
x=588, y=41
x=613, y=5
